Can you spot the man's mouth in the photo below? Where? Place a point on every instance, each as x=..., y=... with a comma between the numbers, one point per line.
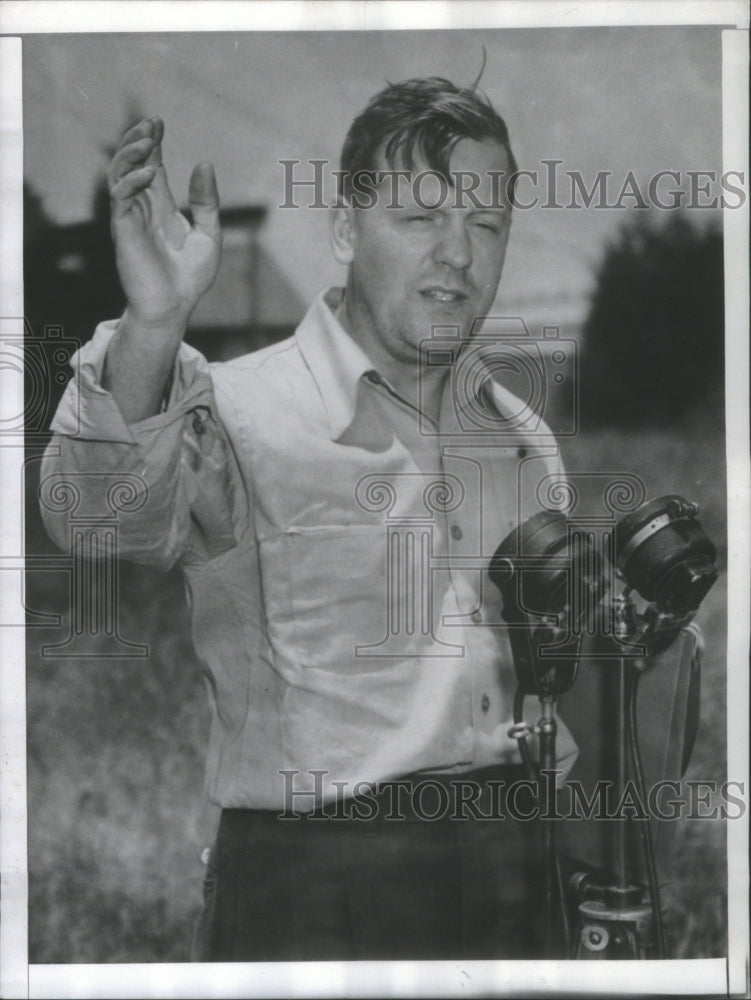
x=444, y=294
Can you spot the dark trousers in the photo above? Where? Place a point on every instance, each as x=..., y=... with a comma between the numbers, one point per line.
x=352, y=889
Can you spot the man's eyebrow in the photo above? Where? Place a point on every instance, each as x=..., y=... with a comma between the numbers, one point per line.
x=497, y=212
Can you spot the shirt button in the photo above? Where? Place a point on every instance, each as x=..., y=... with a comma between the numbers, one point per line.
x=476, y=616
x=485, y=703
x=456, y=532
x=522, y=453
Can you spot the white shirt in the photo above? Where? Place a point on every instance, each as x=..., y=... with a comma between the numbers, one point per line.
x=335, y=546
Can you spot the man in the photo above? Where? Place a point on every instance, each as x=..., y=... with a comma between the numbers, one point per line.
x=333, y=501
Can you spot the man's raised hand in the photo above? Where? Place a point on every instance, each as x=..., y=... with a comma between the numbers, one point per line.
x=165, y=264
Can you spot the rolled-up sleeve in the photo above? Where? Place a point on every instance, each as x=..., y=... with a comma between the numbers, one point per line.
x=170, y=482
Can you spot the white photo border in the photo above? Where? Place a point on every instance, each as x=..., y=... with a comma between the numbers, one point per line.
x=715, y=976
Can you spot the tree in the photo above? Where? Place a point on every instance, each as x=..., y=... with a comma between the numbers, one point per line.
x=654, y=337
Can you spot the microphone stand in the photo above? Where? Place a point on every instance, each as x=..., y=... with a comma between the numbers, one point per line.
x=548, y=684
x=548, y=730
x=614, y=920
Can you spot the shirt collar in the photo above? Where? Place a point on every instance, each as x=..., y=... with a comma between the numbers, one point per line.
x=338, y=363
x=335, y=360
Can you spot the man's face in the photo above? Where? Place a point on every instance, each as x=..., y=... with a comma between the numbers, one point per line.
x=413, y=268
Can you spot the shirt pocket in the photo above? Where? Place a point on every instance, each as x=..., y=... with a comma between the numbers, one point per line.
x=325, y=595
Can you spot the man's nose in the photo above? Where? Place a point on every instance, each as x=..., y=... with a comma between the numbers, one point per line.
x=454, y=247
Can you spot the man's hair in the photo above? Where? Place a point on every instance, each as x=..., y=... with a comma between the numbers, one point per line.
x=425, y=115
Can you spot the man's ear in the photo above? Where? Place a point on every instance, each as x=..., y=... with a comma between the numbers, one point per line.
x=342, y=232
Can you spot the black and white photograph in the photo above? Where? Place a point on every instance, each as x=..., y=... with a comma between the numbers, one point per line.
x=375, y=478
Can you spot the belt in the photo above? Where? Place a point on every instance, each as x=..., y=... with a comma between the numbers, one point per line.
x=424, y=797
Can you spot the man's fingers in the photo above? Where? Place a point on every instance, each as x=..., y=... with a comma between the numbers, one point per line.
x=147, y=126
x=155, y=156
x=129, y=186
x=134, y=155
x=140, y=145
x=138, y=131
x=203, y=198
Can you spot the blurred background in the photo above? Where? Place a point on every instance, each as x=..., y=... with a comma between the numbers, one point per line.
x=116, y=739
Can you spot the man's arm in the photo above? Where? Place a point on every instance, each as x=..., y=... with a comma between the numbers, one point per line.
x=189, y=500
x=165, y=265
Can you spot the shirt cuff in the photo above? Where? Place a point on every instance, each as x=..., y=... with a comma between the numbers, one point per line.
x=89, y=412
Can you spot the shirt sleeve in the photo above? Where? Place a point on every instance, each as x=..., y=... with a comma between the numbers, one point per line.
x=171, y=482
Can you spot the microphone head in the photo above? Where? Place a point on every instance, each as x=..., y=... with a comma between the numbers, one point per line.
x=548, y=567
x=663, y=553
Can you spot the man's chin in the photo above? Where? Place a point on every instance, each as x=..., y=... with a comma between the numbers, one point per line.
x=459, y=317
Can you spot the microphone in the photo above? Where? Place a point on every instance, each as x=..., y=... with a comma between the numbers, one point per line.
x=662, y=553
x=551, y=579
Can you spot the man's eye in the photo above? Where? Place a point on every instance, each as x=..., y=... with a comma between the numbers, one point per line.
x=418, y=218
x=488, y=226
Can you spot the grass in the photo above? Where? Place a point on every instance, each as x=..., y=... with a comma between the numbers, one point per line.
x=117, y=818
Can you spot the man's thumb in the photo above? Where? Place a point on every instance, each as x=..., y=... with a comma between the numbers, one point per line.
x=203, y=198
